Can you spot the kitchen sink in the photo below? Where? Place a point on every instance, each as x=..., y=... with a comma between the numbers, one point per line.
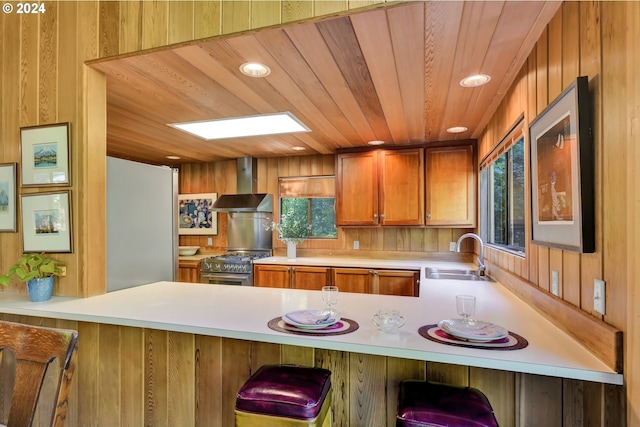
x=455, y=274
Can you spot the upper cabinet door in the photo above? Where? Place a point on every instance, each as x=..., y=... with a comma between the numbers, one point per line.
x=402, y=187
x=357, y=189
x=451, y=187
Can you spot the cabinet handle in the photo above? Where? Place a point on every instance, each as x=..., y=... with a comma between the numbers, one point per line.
x=382, y=216
x=428, y=216
x=375, y=216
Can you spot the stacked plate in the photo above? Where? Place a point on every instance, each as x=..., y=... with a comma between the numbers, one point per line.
x=306, y=320
x=474, y=330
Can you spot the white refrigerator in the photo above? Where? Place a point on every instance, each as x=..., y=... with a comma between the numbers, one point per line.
x=142, y=236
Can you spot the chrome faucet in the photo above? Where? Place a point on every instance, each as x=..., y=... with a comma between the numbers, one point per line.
x=481, y=267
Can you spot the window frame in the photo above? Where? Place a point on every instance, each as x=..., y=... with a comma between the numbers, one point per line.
x=486, y=214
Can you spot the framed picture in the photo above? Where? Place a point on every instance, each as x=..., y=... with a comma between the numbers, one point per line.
x=195, y=215
x=45, y=155
x=8, y=198
x=46, y=222
x=562, y=188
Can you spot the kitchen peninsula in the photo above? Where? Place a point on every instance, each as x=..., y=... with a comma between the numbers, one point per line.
x=239, y=315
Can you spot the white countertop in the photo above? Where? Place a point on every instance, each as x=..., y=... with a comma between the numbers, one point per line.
x=395, y=264
x=243, y=312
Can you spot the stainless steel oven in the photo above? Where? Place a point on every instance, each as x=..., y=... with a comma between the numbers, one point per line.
x=232, y=268
x=227, y=279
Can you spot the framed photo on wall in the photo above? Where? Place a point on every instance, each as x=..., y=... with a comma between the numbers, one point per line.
x=195, y=215
x=562, y=188
x=46, y=222
x=8, y=198
x=44, y=151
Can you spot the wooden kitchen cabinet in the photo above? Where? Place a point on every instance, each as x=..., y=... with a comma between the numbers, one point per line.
x=380, y=187
x=291, y=276
x=450, y=187
x=374, y=281
x=189, y=271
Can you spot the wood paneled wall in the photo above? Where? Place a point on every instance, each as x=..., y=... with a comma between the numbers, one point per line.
x=220, y=177
x=130, y=376
x=599, y=40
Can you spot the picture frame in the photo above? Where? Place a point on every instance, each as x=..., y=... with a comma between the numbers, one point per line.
x=8, y=198
x=44, y=151
x=46, y=222
x=195, y=214
x=561, y=173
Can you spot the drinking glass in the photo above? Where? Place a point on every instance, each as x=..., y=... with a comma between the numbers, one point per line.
x=330, y=298
x=466, y=305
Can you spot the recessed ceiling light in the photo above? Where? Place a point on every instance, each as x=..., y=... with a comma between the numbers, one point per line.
x=376, y=142
x=264, y=124
x=475, y=80
x=173, y=157
x=298, y=148
x=255, y=69
x=457, y=129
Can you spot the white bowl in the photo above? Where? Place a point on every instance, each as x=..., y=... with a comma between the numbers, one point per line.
x=188, y=250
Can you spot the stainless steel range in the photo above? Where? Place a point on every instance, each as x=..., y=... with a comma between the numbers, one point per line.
x=247, y=237
x=232, y=268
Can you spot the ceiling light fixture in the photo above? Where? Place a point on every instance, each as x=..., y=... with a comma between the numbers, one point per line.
x=264, y=124
x=173, y=157
x=376, y=142
x=457, y=129
x=298, y=148
x=255, y=69
x=475, y=80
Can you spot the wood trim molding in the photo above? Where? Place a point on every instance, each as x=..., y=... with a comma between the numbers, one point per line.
x=602, y=339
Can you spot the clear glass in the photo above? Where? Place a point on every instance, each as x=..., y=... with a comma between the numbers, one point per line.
x=466, y=306
x=330, y=299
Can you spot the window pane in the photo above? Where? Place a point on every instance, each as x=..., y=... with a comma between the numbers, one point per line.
x=500, y=206
x=517, y=234
x=323, y=217
x=296, y=209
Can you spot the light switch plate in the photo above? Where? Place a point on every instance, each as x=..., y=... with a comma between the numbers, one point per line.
x=554, y=283
x=210, y=241
x=599, y=300
x=452, y=246
x=356, y=244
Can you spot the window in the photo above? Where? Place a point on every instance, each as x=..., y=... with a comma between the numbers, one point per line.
x=311, y=200
x=502, y=194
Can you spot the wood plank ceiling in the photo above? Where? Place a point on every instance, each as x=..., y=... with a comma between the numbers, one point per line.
x=388, y=74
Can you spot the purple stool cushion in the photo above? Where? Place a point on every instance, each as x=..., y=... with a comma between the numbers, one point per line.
x=285, y=391
x=425, y=404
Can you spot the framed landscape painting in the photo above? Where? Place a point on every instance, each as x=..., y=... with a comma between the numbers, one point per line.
x=44, y=151
x=8, y=197
x=195, y=215
x=46, y=222
x=562, y=188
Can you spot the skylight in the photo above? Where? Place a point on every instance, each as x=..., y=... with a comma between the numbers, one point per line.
x=264, y=124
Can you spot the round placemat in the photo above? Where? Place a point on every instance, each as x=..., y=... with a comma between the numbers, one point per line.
x=512, y=342
x=343, y=326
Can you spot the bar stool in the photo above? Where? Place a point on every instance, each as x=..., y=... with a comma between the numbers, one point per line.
x=428, y=404
x=285, y=396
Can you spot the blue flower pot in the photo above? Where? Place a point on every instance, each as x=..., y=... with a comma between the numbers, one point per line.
x=40, y=289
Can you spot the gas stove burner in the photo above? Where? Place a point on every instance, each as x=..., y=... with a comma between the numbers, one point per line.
x=232, y=262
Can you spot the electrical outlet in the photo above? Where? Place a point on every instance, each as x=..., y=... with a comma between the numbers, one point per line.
x=554, y=283
x=452, y=246
x=210, y=241
x=63, y=271
x=599, y=298
x=356, y=244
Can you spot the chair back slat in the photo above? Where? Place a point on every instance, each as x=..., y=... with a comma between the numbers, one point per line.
x=34, y=349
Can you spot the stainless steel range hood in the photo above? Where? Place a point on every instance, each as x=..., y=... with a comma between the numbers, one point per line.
x=246, y=200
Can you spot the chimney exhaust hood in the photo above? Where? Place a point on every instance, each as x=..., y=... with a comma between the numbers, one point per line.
x=247, y=200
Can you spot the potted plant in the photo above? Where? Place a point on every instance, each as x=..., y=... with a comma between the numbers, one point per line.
x=36, y=270
x=291, y=230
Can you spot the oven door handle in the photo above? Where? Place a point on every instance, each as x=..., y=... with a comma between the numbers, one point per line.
x=225, y=276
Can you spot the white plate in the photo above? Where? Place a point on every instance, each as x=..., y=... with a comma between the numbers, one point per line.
x=310, y=323
x=477, y=330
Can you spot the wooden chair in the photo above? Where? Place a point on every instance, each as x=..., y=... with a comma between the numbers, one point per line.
x=34, y=349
